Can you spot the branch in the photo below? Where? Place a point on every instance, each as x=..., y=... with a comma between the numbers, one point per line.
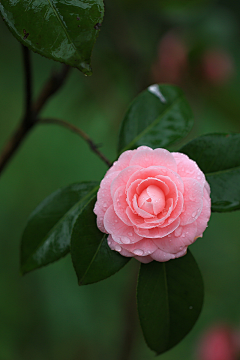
x=79, y=132
x=12, y=145
x=28, y=84
x=53, y=84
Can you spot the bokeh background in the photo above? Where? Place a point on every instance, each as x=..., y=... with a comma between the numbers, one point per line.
x=45, y=315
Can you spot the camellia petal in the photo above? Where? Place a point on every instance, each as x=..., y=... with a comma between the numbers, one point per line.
x=140, y=211
x=147, y=157
x=143, y=247
x=120, y=205
x=203, y=218
x=121, y=233
x=144, y=259
x=193, y=201
x=115, y=246
x=155, y=171
x=104, y=199
x=177, y=240
x=122, y=178
x=164, y=215
x=162, y=256
x=175, y=212
x=152, y=181
x=122, y=162
x=158, y=232
x=188, y=168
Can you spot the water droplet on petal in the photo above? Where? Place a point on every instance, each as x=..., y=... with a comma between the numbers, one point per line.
x=104, y=205
x=194, y=214
x=138, y=252
x=130, y=234
x=118, y=248
x=125, y=240
x=178, y=231
x=181, y=248
x=116, y=221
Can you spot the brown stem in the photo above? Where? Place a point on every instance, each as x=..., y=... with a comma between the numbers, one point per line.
x=12, y=145
x=30, y=118
x=79, y=132
x=28, y=85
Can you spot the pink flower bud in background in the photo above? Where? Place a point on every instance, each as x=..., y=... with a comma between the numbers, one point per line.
x=171, y=61
x=219, y=343
x=217, y=66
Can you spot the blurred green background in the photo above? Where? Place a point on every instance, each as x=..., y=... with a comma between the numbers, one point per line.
x=45, y=315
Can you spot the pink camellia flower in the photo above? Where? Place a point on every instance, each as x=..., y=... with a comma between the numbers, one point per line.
x=153, y=204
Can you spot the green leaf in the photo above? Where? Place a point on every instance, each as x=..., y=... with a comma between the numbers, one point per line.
x=92, y=258
x=170, y=298
x=63, y=30
x=46, y=237
x=158, y=117
x=217, y=155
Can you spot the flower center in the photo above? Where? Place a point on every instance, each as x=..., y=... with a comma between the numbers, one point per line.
x=152, y=200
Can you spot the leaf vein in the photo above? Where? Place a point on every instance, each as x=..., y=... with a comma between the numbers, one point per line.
x=93, y=258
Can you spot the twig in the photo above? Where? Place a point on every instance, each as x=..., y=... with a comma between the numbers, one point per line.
x=27, y=121
x=12, y=145
x=30, y=117
x=28, y=83
x=79, y=132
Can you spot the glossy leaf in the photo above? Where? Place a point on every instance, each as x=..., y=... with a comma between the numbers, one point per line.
x=158, y=117
x=46, y=237
x=170, y=298
x=217, y=155
x=63, y=30
x=92, y=258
